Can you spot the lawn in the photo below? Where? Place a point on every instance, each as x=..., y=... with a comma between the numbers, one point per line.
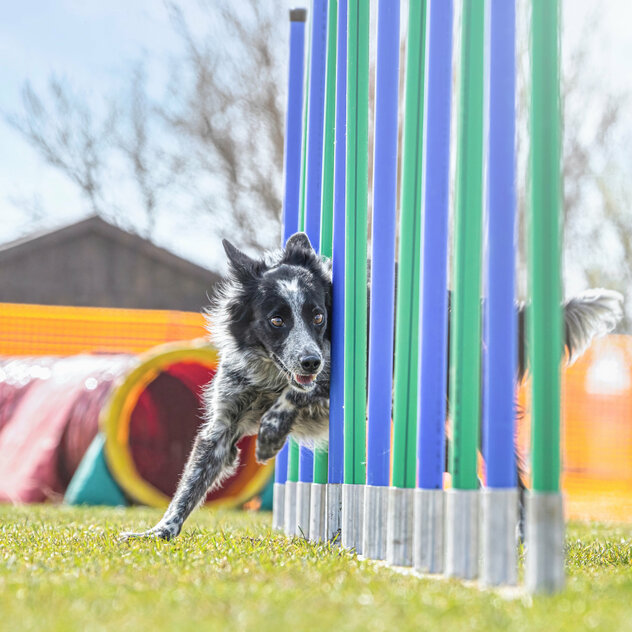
x=62, y=568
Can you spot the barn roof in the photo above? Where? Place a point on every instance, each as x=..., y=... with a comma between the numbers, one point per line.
x=95, y=225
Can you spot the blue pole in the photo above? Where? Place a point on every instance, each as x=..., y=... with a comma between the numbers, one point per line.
x=383, y=245
x=292, y=167
x=294, y=128
x=314, y=168
x=433, y=341
x=316, y=122
x=500, y=368
x=280, y=465
x=306, y=465
x=336, y=389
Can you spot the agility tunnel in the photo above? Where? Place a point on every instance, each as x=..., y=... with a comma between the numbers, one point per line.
x=105, y=426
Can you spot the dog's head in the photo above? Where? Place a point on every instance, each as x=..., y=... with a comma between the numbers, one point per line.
x=282, y=309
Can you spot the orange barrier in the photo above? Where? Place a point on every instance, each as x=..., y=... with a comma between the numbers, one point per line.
x=36, y=330
x=596, y=431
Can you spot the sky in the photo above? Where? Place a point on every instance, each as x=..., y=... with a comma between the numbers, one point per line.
x=93, y=43
x=88, y=43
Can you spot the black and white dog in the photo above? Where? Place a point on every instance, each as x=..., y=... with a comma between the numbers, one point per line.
x=269, y=322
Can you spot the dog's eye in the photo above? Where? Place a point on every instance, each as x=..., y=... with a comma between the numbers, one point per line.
x=318, y=319
x=276, y=321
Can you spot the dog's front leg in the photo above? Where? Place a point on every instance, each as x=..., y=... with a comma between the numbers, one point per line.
x=213, y=455
x=275, y=426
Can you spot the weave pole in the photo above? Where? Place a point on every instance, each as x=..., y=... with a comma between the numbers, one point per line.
x=399, y=544
x=291, y=492
x=429, y=497
x=303, y=489
x=318, y=508
x=545, y=518
x=382, y=281
x=356, y=274
x=291, y=204
x=294, y=456
x=278, y=493
x=313, y=206
x=461, y=559
x=499, y=500
x=336, y=390
x=289, y=513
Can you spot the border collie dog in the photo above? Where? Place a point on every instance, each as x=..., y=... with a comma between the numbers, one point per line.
x=269, y=322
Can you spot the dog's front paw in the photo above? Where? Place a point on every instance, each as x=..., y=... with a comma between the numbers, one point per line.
x=264, y=453
x=160, y=531
x=268, y=444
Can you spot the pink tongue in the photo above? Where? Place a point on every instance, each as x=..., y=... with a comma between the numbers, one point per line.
x=304, y=379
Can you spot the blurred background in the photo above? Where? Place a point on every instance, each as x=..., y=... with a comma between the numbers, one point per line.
x=134, y=136
x=167, y=119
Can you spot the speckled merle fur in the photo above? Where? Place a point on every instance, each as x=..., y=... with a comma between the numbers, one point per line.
x=269, y=323
x=255, y=390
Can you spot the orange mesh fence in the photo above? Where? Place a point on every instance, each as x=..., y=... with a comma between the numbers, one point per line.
x=596, y=431
x=60, y=331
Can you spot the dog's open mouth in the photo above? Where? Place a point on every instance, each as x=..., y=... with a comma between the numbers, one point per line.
x=304, y=381
x=301, y=381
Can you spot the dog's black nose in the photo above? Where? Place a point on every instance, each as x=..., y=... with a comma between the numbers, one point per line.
x=310, y=363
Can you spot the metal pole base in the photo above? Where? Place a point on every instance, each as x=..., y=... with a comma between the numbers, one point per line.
x=461, y=540
x=303, y=493
x=544, y=541
x=428, y=520
x=289, y=514
x=499, y=555
x=352, y=514
x=399, y=526
x=374, y=531
x=318, y=513
x=278, y=505
x=334, y=512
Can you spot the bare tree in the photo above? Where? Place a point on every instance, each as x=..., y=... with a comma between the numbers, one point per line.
x=227, y=108
x=214, y=141
x=62, y=127
x=598, y=220
x=597, y=200
x=153, y=169
x=597, y=245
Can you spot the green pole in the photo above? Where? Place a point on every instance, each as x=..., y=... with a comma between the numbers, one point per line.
x=356, y=242
x=301, y=211
x=407, y=319
x=545, y=322
x=465, y=352
x=292, y=470
x=327, y=215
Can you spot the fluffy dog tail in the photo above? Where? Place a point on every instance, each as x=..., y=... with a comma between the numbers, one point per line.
x=591, y=314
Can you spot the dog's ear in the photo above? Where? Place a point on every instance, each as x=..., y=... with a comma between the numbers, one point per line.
x=240, y=263
x=299, y=240
x=298, y=250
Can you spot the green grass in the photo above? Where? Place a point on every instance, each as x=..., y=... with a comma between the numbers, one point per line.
x=62, y=568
